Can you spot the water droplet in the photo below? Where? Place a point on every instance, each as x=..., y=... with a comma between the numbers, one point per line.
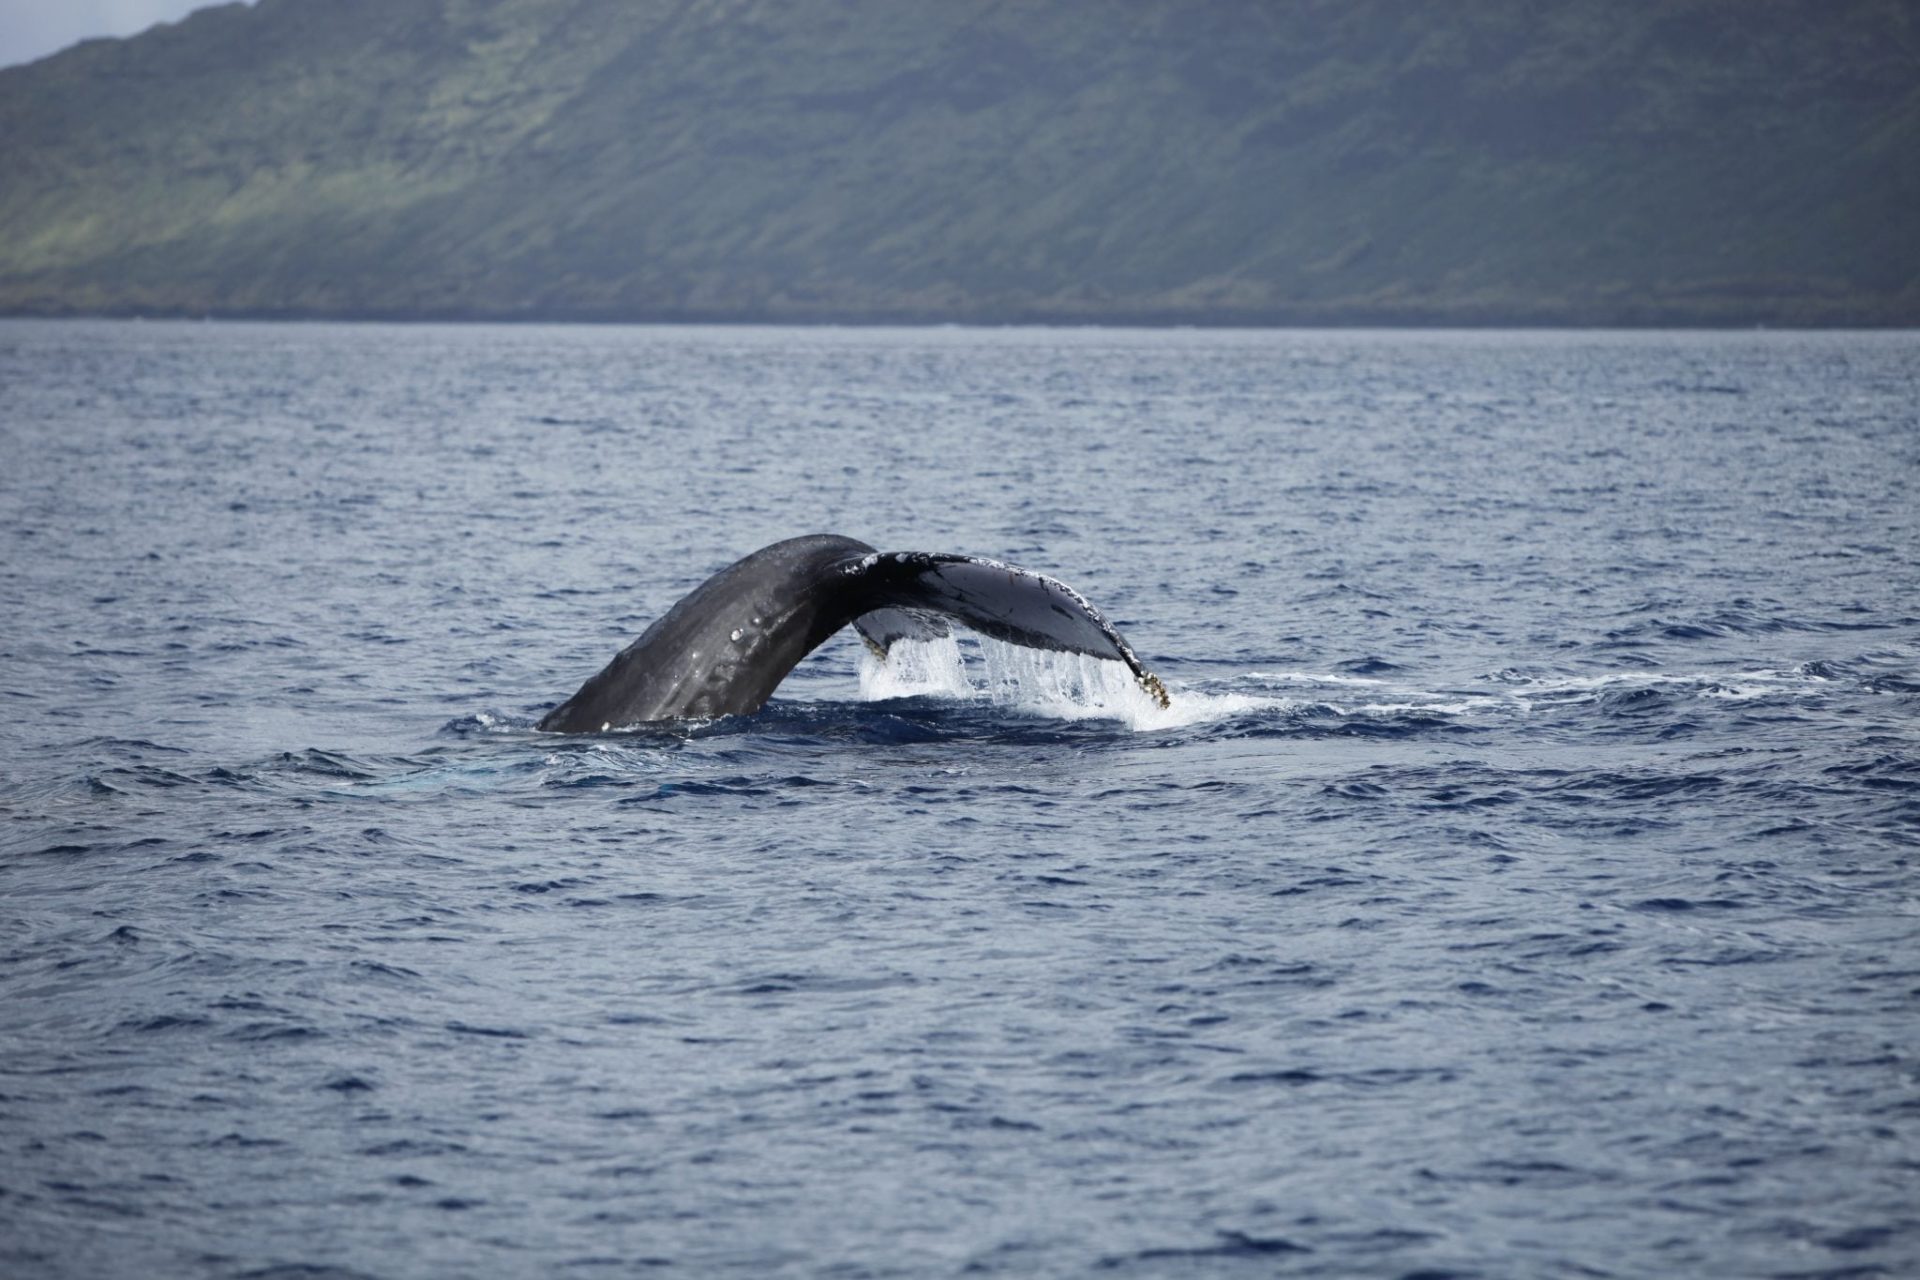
x=737, y=633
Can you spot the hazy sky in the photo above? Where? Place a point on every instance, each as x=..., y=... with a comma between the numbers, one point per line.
x=31, y=29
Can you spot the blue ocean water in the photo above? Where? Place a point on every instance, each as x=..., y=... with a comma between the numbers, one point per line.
x=1521, y=882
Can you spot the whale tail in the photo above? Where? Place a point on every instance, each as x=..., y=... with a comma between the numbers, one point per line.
x=726, y=645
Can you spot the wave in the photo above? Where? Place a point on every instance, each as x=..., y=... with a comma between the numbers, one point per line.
x=1039, y=684
x=1736, y=685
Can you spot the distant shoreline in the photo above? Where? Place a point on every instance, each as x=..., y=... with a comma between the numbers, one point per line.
x=880, y=319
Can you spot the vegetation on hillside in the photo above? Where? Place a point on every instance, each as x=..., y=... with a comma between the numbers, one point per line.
x=1562, y=161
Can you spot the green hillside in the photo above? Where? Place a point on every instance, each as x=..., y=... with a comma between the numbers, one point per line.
x=1372, y=161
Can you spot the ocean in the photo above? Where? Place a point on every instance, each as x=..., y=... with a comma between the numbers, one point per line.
x=1521, y=881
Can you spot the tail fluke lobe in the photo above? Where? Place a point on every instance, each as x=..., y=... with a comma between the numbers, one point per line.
x=1000, y=600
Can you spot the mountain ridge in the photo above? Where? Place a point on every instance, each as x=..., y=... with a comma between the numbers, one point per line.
x=1375, y=161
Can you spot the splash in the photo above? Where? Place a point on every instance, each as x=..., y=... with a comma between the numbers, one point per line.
x=916, y=669
x=1041, y=683
x=1066, y=686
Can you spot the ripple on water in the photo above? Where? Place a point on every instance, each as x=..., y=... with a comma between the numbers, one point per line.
x=1519, y=881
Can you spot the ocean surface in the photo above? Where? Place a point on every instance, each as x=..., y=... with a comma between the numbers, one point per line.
x=1521, y=883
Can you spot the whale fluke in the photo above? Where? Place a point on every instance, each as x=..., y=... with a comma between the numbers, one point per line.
x=725, y=647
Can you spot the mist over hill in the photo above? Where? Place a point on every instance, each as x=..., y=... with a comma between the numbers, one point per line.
x=1321, y=161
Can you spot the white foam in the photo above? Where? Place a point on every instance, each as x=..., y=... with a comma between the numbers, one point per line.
x=1194, y=706
x=1723, y=685
x=1040, y=682
x=1456, y=707
x=1311, y=677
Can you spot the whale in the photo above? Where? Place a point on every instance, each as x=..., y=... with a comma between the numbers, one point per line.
x=727, y=644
